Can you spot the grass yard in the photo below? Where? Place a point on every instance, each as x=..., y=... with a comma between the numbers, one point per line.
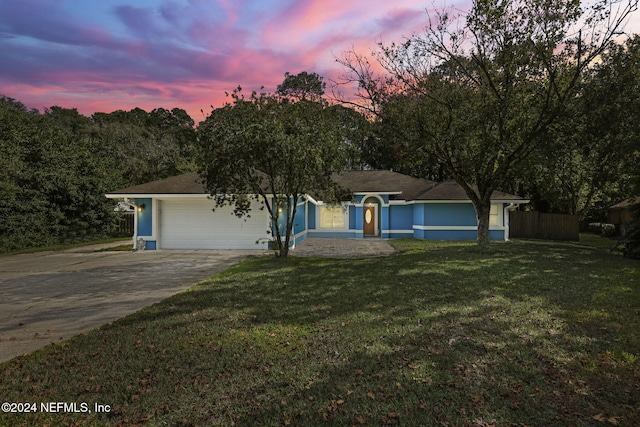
x=443, y=334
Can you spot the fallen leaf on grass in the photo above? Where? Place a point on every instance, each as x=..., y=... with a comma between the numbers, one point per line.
x=478, y=397
x=603, y=418
x=390, y=418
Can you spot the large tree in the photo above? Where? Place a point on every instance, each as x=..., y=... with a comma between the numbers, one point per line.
x=302, y=86
x=591, y=161
x=272, y=149
x=53, y=176
x=485, y=88
x=149, y=145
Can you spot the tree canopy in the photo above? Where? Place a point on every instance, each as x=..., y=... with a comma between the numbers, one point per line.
x=302, y=86
x=56, y=166
x=480, y=96
x=272, y=149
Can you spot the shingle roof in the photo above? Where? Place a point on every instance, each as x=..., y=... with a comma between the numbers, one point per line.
x=451, y=190
x=626, y=203
x=188, y=183
x=373, y=181
x=383, y=181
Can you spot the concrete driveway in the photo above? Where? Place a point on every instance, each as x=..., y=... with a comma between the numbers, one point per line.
x=50, y=296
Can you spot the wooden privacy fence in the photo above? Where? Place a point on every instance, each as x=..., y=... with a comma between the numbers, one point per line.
x=536, y=225
x=125, y=225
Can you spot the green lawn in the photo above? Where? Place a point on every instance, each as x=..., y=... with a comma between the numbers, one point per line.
x=70, y=246
x=442, y=334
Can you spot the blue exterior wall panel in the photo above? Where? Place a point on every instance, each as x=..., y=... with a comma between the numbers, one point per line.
x=452, y=214
x=496, y=234
x=461, y=234
x=299, y=220
x=384, y=221
x=311, y=217
x=352, y=217
x=450, y=234
x=359, y=216
x=418, y=214
x=145, y=218
x=335, y=234
x=401, y=217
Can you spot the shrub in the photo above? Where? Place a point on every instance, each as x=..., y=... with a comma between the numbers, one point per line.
x=602, y=228
x=629, y=241
x=608, y=230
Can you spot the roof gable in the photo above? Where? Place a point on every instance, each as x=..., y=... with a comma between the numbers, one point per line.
x=382, y=181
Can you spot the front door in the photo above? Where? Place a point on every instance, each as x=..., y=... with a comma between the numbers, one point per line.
x=369, y=220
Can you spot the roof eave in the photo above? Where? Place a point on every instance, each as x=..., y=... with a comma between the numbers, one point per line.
x=153, y=195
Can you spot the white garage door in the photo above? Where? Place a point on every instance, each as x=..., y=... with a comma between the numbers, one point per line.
x=191, y=224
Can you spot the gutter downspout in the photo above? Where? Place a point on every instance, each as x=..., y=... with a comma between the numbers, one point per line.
x=506, y=220
x=135, y=222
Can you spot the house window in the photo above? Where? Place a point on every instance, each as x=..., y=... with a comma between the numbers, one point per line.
x=331, y=217
x=493, y=215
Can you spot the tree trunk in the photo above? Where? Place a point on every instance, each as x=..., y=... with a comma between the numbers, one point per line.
x=483, y=209
x=275, y=213
x=291, y=214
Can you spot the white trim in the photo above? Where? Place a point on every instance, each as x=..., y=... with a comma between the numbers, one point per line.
x=505, y=217
x=454, y=227
x=512, y=201
x=365, y=196
x=317, y=202
x=377, y=192
x=414, y=202
x=398, y=231
x=445, y=227
x=154, y=221
x=135, y=222
x=156, y=196
x=345, y=212
x=312, y=200
x=430, y=202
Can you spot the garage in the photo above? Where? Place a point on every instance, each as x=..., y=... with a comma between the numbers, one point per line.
x=191, y=224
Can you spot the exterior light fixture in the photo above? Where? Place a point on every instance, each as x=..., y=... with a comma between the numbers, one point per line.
x=141, y=207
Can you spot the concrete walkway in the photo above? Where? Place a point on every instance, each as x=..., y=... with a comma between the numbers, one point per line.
x=343, y=248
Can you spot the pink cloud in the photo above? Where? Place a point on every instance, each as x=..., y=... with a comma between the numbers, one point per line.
x=183, y=53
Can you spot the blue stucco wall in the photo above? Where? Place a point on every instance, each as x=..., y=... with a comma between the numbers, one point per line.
x=311, y=217
x=352, y=217
x=383, y=221
x=460, y=234
x=145, y=222
x=347, y=234
x=145, y=225
x=453, y=214
x=299, y=220
x=401, y=217
x=358, y=214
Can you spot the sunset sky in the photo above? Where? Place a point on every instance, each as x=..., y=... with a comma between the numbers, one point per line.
x=117, y=54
